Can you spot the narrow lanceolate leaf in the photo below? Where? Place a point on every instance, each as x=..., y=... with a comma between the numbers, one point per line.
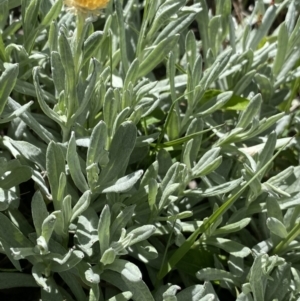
x=120, y=222
x=211, y=274
x=187, y=16
x=141, y=233
x=214, y=104
x=132, y=73
x=132, y=276
x=86, y=232
x=215, y=70
x=55, y=163
x=39, y=93
x=74, y=165
x=62, y=187
x=165, y=11
x=39, y=212
x=67, y=210
x=96, y=154
x=29, y=13
x=258, y=277
x=92, y=45
x=251, y=111
x=122, y=35
x=207, y=163
x=119, y=152
x=87, y=93
x=229, y=246
x=48, y=226
x=121, y=117
x=104, y=229
x=157, y=55
x=82, y=204
x=281, y=276
x=97, y=143
x=244, y=82
x=58, y=72
x=215, y=190
x=282, y=46
x=263, y=29
x=69, y=66
x=108, y=256
x=7, y=82
x=53, y=13
x=16, y=113
x=125, y=183
x=268, y=150
x=32, y=123
x=277, y=227
x=30, y=152
x=235, y=227
x=171, y=189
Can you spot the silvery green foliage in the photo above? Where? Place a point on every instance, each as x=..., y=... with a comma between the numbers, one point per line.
x=135, y=173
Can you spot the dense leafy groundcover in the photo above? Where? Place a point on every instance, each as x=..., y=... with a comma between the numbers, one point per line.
x=150, y=152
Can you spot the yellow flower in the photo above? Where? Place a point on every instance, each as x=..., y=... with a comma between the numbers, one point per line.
x=87, y=6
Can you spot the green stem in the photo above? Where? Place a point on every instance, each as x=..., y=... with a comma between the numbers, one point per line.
x=285, y=242
x=110, y=58
x=165, y=253
x=66, y=134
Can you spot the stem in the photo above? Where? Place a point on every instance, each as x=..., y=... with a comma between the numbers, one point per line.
x=66, y=133
x=166, y=252
x=110, y=59
x=291, y=236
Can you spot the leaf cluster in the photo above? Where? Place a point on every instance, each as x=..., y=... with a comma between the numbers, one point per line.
x=141, y=162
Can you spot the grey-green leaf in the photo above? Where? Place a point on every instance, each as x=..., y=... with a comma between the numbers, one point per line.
x=74, y=165
x=82, y=204
x=7, y=82
x=39, y=212
x=277, y=227
x=121, y=147
x=104, y=229
x=159, y=52
x=55, y=163
x=125, y=183
x=229, y=246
